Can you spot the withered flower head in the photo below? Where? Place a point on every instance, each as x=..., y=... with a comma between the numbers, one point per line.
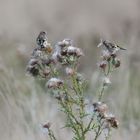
x=56, y=54
x=70, y=71
x=71, y=50
x=101, y=108
x=33, y=70
x=79, y=52
x=54, y=83
x=33, y=61
x=47, y=125
x=103, y=64
x=106, y=55
x=65, y=43
x=46, y=72
x=55, y=57
x=112, y=121
x=47, y=61
x=116, y=62
x=66, y=55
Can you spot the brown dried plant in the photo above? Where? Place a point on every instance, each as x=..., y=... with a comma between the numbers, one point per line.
x=69, y=89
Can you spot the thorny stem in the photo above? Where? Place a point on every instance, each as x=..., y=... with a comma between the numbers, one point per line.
x=97, y=133
x=75, y=119
x=51, y=135
x=89, y=125
x=109, y=69
x=100, y=98
x=70, y=117
x=75, y=124
x=108, y=135
x=79, y=93
x=68, y=109
x=101, y=93
x=99, y=130
x=103, y=85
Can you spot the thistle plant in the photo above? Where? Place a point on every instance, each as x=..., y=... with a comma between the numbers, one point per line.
x=58, y=66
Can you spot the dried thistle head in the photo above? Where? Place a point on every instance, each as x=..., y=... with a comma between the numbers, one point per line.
x=71, y=50
x=70, y=71
x=33, y=61
x=103, y=64
x=54, y=83
x=111, y=121
x=116, y=62
x=106, y=55
x=65, y=42
x=46, y=125
x=100, y=108
x=46, y=72
x=65, y=53
x=33, y=70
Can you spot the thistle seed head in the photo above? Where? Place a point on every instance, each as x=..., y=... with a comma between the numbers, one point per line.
x=54, y=83
x=111, y=121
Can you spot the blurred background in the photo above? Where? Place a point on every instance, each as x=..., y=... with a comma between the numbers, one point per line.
x=24, y=103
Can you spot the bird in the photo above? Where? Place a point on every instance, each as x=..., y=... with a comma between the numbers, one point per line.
x=42, y=39
x=111, y=47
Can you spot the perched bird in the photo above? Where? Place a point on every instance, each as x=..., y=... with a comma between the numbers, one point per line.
x=111, y=47
x=42, y=39
x=42, y=42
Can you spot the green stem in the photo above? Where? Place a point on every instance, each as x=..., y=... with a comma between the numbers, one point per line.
x=89, y=125
x=103, y=86
x=71, y=117
x=51, y=135
x=109, y=134
x=101, y=93
x=99, y=130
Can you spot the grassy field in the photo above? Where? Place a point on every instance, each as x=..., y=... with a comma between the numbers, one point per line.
x=24, y=101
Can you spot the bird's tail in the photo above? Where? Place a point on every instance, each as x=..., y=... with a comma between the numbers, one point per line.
x=101, y=43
